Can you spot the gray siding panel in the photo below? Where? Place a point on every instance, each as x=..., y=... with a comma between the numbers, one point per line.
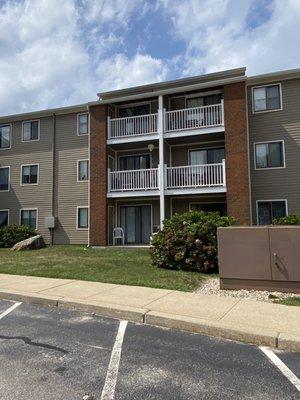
x=69, y=148
x=32, y=196
x=68, y=192
x=278, y=125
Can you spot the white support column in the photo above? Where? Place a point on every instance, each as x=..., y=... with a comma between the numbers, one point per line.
x=224, y=172
x=161, y=167
x=222, y=112
x=108, y=128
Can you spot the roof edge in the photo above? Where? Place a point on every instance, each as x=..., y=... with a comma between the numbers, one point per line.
x=45, y=113
x=154, y=87
x=272, y=76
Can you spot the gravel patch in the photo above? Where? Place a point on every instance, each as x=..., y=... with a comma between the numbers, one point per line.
x=212, y=286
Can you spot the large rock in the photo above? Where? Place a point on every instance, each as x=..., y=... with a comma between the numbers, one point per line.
x=34, y=242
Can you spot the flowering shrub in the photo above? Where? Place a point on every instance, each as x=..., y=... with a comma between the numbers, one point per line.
x=189, y=242
x=288, y=220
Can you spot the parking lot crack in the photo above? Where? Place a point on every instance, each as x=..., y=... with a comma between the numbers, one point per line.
x=28, y=341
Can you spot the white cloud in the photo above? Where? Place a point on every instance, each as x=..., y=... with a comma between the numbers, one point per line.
x=120, y=71
x=55, y=53
x=218, y=37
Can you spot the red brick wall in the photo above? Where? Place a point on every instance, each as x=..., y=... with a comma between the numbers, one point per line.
x=237, y=178
x=98, y=175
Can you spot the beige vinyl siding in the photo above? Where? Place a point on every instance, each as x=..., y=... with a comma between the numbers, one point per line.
x=69, y=193
x=278, y=125
x=30, y=196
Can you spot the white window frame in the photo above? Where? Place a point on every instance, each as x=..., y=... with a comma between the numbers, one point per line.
x=6, y=166
x=263, y=86
x=8, y=214
x=38, y=175
x=266, y=142
x=222, y=146
x=78, y=131
x=30, y=209
x=39, y=130
x=83, y=180
x=270, y=201
x=10, y=136
x=129, y=105
x=77, y=210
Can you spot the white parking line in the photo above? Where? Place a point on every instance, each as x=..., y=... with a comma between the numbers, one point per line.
x=108, y=392
x=282, y=367
x=9, y=310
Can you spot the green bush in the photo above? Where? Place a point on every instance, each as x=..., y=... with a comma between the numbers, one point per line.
x=12, y=234
x=288, y=220
x=189, y=242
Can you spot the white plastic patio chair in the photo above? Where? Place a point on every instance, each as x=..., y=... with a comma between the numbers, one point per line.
x=118, y=233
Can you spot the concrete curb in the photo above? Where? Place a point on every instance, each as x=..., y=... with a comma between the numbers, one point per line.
x=251, y=335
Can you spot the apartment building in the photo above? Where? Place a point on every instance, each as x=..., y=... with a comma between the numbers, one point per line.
x=218, y=142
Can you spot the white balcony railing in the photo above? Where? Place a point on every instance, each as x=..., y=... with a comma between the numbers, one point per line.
x=185, y=177
x=177, y=120
x=132, y=126
x=193, y=176
x=194, y=118
x=138, y=179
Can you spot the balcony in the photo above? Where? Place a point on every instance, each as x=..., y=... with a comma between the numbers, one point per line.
x=144, y=181
x=132, y=127
x=183, y=122
x=206, y=178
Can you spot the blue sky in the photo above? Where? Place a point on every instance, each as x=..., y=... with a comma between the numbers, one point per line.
x=55, y=53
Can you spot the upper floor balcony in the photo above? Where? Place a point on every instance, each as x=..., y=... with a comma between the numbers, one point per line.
x=176, y=123
x=204, y=178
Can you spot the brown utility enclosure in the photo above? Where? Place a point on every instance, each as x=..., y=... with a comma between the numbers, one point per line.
x=264, y=258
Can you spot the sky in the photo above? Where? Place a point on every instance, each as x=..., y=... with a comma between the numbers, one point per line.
x=57, y=53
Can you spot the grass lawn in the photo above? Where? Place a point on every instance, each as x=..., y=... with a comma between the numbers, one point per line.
x=289, y=301
x=121, y=266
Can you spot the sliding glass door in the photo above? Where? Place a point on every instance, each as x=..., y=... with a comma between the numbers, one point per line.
x=136, y=222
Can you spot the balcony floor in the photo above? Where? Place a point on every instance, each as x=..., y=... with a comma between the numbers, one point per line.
x=168, y=192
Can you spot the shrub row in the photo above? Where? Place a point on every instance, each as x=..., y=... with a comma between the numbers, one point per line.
x=12, y=234
x=189, y=242
x=288, y=220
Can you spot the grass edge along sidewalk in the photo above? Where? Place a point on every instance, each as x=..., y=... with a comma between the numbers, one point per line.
x=261, y=323
x=130, y=266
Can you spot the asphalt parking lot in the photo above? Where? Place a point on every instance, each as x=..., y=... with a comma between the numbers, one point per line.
x=50, y=353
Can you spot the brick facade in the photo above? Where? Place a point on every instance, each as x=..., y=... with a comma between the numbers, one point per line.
x=98, y=175
x=236, y=147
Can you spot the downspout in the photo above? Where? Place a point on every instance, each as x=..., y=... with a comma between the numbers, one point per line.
x=248, y=151
x=53, y=177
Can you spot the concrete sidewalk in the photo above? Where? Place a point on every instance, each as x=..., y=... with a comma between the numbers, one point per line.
x=248, y=321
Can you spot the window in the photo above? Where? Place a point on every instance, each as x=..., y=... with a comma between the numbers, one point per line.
x=140, y=161
x=29, y=218
x=4, y=217
x=83, y=170
x=269, y=155
x=269, y=210
x=30, y=174
x=221, y=208
x=5, y=131
x=4, y=178
x=266, y=98
x=134, y=110
x=82, y=217
x=206, y=156
x=200, y=101
x=31, y=130
x=83, y=124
